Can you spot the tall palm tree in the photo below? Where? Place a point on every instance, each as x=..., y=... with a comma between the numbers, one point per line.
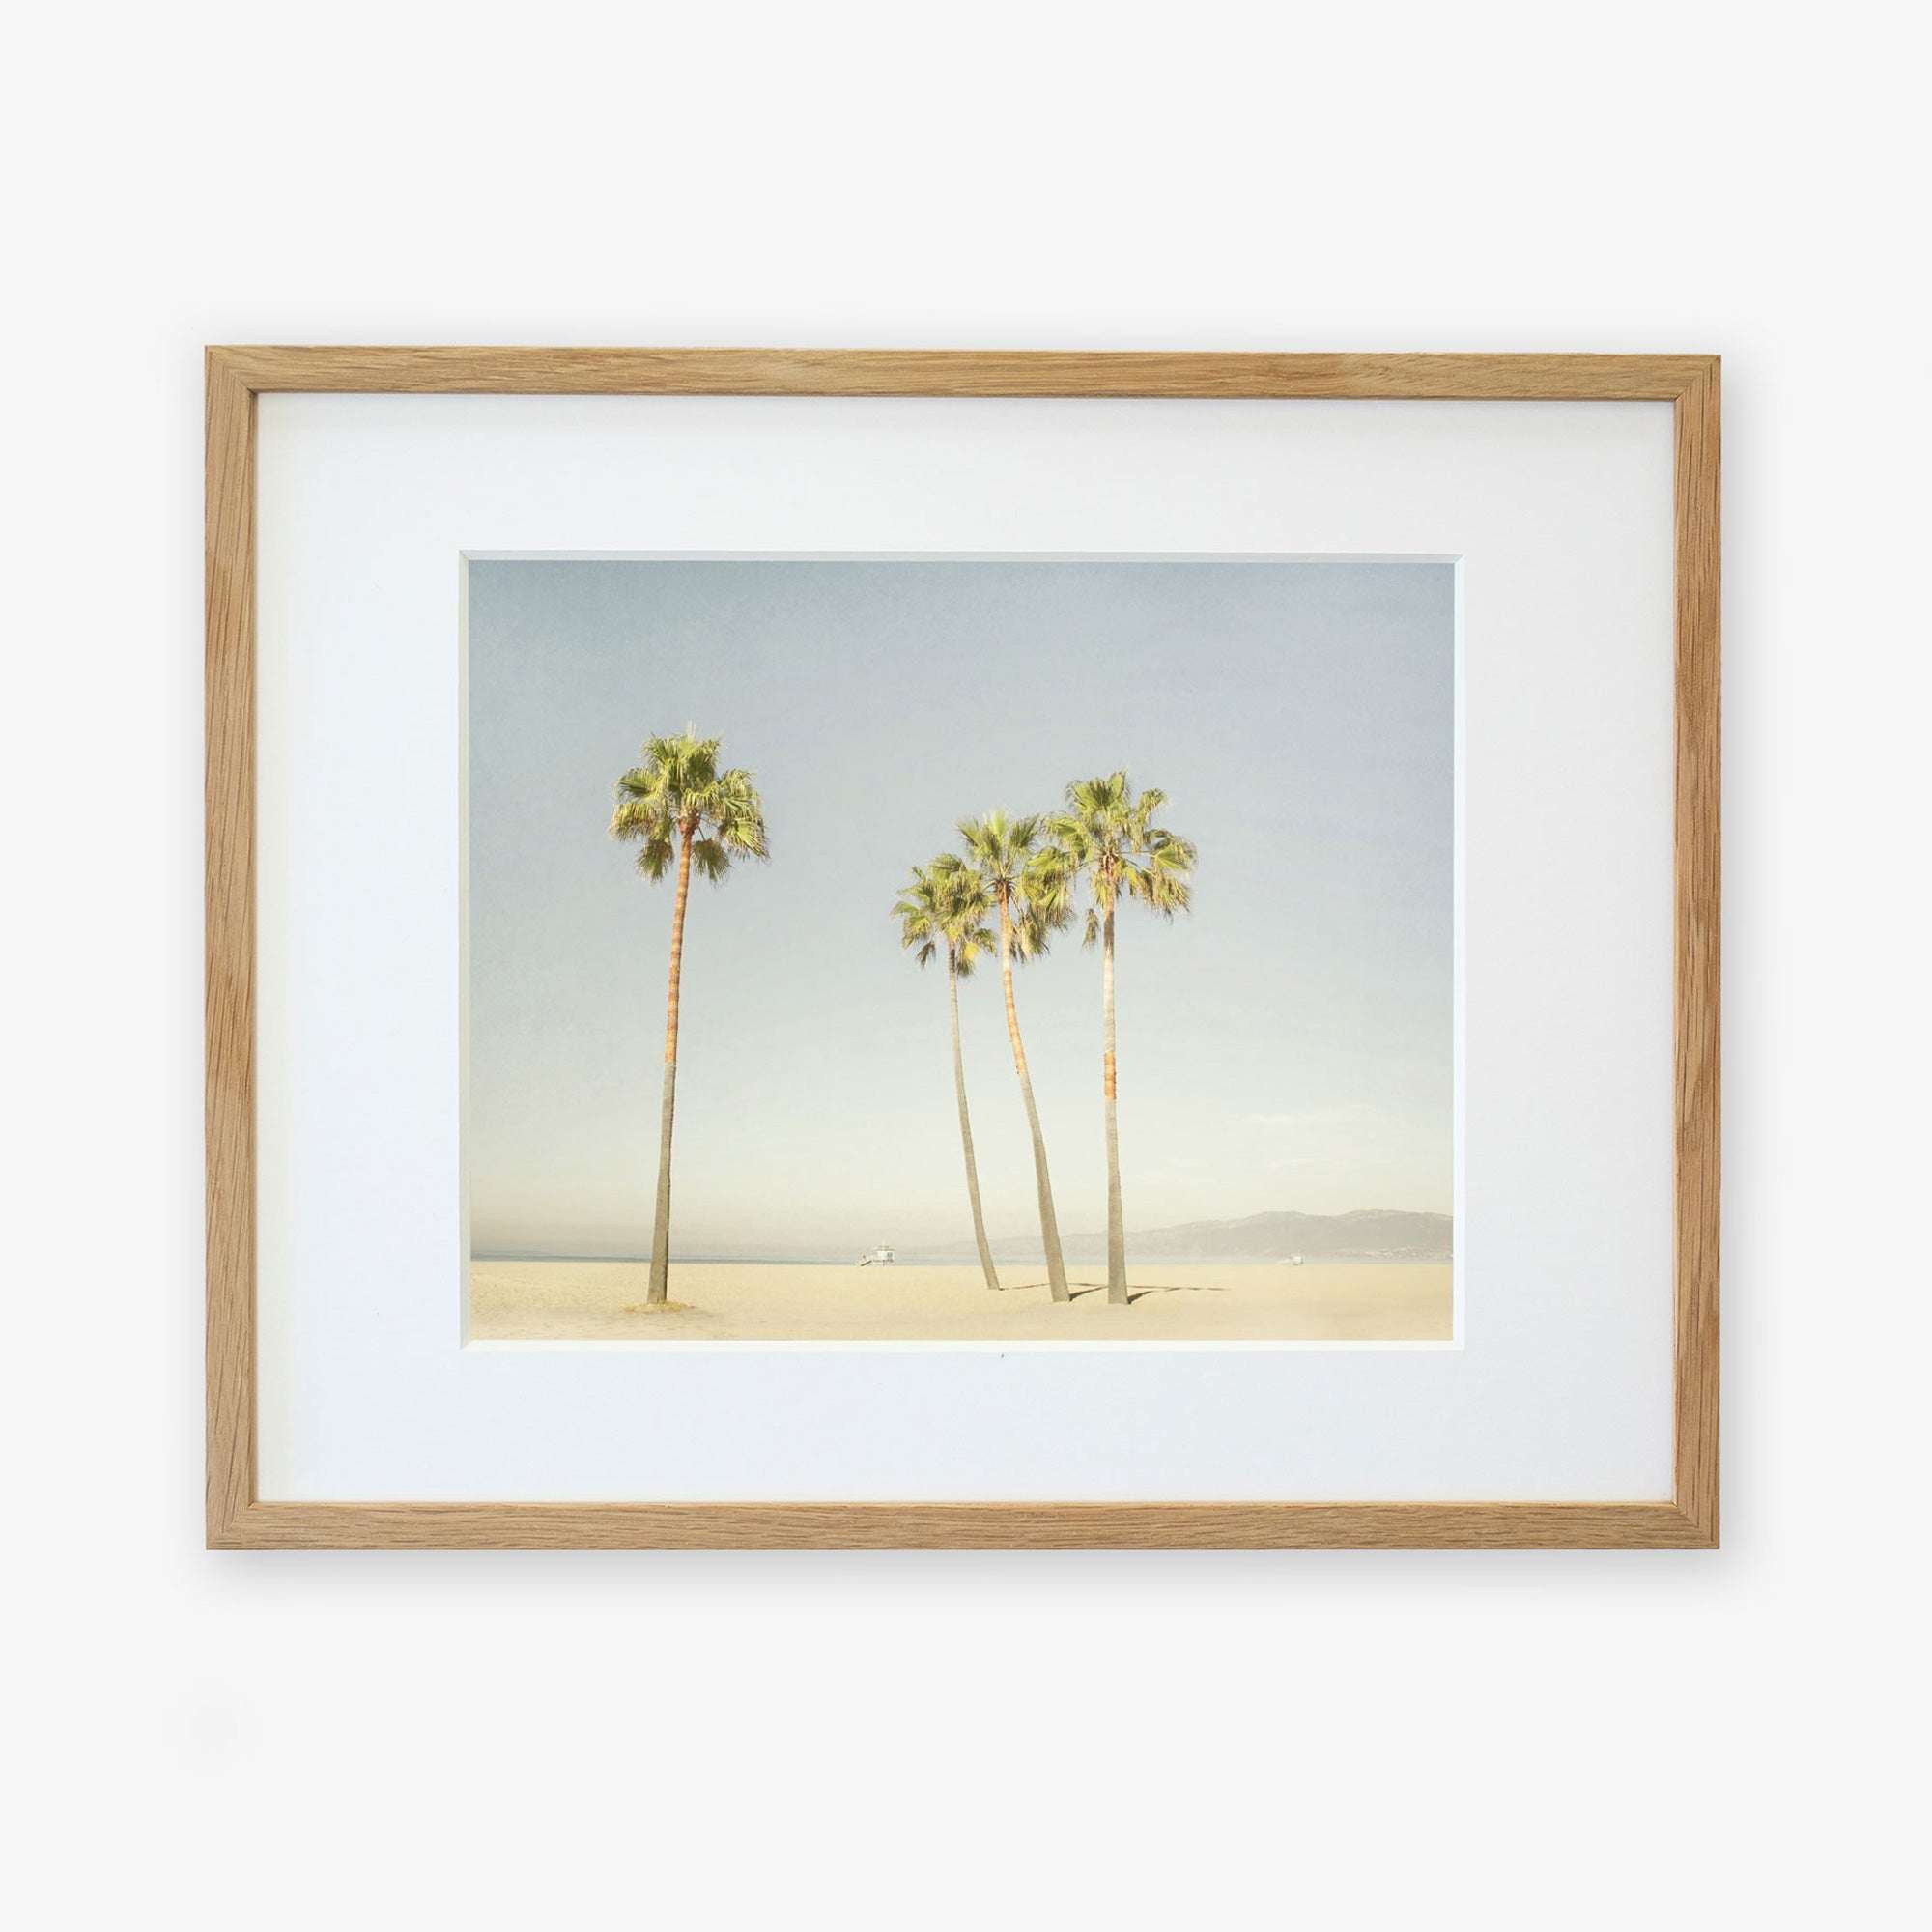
x=681, y=806
x=1108, y=837
x=1018, y=876
x=944, y=905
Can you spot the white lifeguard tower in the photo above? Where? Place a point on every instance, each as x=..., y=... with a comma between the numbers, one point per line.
x=879, y=1257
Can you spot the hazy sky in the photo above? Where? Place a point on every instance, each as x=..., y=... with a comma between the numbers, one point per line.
x=1287, y=1045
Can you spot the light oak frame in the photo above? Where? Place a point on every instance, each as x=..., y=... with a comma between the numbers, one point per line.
x=239, y=1519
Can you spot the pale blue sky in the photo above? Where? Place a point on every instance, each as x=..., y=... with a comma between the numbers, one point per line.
x=1287, y=1045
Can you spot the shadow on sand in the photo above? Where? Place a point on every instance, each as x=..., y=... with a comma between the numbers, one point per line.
x=1079, y=1287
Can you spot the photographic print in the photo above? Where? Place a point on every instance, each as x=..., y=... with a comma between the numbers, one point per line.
x=990, y=951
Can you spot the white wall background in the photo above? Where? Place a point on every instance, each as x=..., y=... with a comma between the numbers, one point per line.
x=1328, y=1740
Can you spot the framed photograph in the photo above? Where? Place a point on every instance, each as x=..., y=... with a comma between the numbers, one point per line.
x=864, y=949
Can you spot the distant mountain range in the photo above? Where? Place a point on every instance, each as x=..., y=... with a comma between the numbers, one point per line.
x=1364, y=1235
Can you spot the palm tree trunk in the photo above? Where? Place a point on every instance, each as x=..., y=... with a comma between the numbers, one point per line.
x=1049, y=1222
x=986, y=1267
x=1117, y=1234
x=659, y=1288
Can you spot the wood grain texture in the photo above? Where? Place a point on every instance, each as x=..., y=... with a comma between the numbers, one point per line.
x=1071, y=1525
x=236, y=1519
x=935, y=372
x=1699, y=903
x=229, y=997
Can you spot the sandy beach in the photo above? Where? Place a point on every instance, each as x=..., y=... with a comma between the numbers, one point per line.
x=730, y=1301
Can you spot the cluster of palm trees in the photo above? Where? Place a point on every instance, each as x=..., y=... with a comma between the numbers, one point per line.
x=1014, y=883
x=1011, y=886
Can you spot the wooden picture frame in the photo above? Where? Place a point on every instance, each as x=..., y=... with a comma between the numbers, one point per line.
x=237, y=1519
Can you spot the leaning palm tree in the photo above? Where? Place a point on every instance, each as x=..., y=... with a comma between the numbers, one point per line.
x=679, y=804
x=944, y=906
x=1108, y=837
x=1019, y=878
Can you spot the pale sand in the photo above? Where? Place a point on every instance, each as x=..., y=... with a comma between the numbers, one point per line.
x=1175, y=1302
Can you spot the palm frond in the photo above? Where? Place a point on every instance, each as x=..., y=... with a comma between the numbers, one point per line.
x=654, y=861
x=970, y=945
x=677, y=794
x=1032, y=930
x=710, y=858
x=1107, y=838
x=638, y=816
x=1001, y=854
x=944, y=903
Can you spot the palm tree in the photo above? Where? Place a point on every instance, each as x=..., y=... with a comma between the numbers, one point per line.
x=1018, y=876
x=1108, y=837
x=945, y=905
x=678, y=802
